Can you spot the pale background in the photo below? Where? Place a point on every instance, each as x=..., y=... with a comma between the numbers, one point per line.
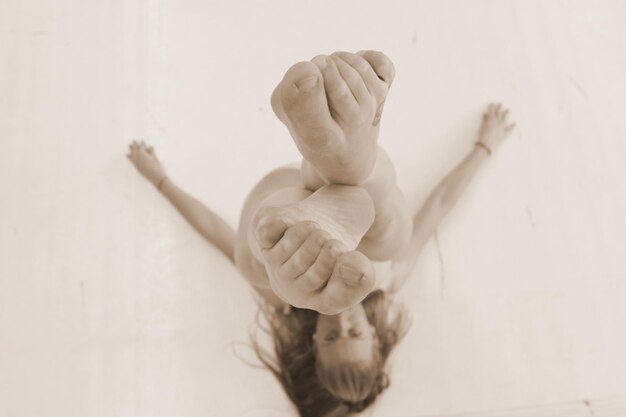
x=111, y=305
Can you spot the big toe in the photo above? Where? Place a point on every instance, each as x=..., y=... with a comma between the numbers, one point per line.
x=382, y=65
x=300, y=98
x=352, y=280
x=356, y=270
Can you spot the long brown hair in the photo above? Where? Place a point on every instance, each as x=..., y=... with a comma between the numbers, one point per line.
x=313, y=389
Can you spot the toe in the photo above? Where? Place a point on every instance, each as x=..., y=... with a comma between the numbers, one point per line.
x=341, y=102
x=304, y=257
x=352, y=279
x=289, y=243
x=381, y=64
x=353, y=79
x=299, y=99
x=316, y=277
x=270, y=230
x=356, y=271
x=374, y=85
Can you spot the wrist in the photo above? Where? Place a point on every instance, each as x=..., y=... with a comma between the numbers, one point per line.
x=483, y=146
x=160, y=182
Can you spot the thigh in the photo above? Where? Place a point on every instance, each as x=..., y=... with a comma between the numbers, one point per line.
x=283, y=185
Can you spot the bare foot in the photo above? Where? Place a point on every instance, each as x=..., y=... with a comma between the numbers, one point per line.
x=332, y=107
x=308, y=248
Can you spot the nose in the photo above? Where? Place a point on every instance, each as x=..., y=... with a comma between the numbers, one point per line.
x=344, y=324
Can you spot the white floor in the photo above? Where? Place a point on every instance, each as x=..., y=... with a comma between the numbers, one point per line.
x=111, y=305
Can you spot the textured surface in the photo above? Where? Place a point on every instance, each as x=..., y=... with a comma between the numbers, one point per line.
x=111, y=305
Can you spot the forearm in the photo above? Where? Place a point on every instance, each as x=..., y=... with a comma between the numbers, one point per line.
x=208, y=224
x=450, y=189
x=493, y=129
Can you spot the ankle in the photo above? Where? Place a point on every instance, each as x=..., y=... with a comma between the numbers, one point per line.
x=390, y=231
x=311, y=178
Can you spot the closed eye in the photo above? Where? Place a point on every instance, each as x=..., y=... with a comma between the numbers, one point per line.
x=355, y=333
x=330, y=336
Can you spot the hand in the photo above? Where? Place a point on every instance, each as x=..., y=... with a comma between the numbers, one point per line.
x=146, y=161
x=494, y=127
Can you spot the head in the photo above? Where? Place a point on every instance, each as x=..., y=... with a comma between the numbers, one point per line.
x=345, y=338
x=334, y=365
x=351, y=349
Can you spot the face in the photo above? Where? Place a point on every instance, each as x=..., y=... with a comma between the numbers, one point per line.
x=345, y=337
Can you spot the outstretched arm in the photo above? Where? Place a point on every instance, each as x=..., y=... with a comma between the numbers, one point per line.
x=211, y=226
x=493, y=130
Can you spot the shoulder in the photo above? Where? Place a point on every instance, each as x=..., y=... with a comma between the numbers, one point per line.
x=384, y=275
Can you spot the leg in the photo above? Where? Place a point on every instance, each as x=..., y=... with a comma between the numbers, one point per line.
x=332, y=107
x=300, y=245
x=391, y=229
x=307, y=246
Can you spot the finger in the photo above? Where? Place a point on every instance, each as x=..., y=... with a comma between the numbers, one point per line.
x=316, y=277
x=490, y=109
x=504, y=114
x=510, y=127
x=151, y=150
x=305, y=255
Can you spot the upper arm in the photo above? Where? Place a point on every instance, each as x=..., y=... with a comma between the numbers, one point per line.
x=219, y=233
x=425, y=223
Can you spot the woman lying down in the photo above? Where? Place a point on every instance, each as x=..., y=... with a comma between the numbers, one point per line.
x=327, y=244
